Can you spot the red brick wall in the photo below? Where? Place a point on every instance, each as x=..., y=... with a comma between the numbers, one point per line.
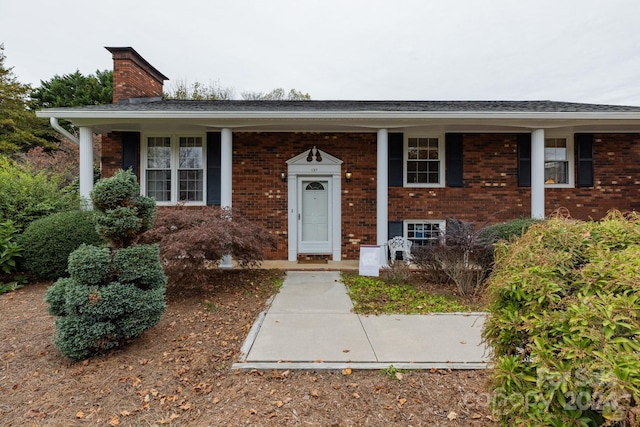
x=111, y=154
x=490, y=193
x=616, y=180
x=260, y=195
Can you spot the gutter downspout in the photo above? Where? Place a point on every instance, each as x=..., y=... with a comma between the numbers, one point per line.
x=66, y=134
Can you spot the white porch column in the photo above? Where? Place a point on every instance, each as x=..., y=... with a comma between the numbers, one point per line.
x=382, y=193
x=226, y=158
x=86, y=167
x=537, y=174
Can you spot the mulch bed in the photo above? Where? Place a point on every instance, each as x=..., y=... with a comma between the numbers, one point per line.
x=179, y=373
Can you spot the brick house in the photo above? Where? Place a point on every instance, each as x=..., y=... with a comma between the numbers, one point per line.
x=328, y=176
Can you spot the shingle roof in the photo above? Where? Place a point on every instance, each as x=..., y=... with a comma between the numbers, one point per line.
x=359, y=106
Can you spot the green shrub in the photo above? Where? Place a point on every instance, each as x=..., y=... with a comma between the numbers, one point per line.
x=9, y=248
x=463, y=255
x=27, y=195
x=509, y=229
x=113, y=293
x=10, y=251
x=565, y=324
x=192, y=241
x=49, y=241
x=91, y=265
x=125, y=214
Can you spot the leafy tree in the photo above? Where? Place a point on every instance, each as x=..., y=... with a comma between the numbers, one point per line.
x=192, y=241
x=74, y=90
x=20, y=129
x=215, y=92
x=278, y=94
x=198, y=91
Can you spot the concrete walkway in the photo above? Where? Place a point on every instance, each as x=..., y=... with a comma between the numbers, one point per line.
x=310, y=325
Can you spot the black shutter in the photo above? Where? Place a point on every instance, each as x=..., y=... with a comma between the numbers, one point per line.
x=131, y=152
x=213, y=168
x=584, y=143
x=524, y=160
x=395, y=229
x=453, y=157
x=396, y=143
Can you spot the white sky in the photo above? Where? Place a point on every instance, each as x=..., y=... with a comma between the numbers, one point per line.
x=561, y=50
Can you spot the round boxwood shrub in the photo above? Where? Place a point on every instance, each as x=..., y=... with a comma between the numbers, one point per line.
x=47, y=242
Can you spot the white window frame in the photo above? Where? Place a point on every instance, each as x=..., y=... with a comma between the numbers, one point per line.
x=441, y=159
x=174, y=166
x=440, y=222
x=570, y=161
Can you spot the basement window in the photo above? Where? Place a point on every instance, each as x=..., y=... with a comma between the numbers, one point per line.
x=424, y=232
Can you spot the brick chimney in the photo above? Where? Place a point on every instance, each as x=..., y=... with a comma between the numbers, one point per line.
x=133, y=76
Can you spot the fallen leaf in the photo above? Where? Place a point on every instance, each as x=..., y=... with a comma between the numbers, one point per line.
x=114, y=421
x=80, y=414
x=125, y=413
x=346, y=350
x=315, y=393
x=476, y=416
x=346, y=371
x=34, y=413
x=356, y=395
x=401, y=402
x=463, y=342
x=279, y=403
x=399, y=376
x=452, y=416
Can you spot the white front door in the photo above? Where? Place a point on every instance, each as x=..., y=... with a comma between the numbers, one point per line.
x=315, y=216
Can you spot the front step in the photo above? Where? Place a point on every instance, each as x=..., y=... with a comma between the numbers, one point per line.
x=313, y=258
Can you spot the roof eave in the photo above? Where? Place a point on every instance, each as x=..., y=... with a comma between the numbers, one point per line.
x=335, y=115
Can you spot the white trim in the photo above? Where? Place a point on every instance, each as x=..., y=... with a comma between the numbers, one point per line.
x=537, y=174
x=382, y=189
x=175, y=153
x=570, y=160
x=329, y=169
x=86, y=166
x=441, y=223
x=226, y=171
x=441, y=159
x=318, y=247
x=335, y=114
